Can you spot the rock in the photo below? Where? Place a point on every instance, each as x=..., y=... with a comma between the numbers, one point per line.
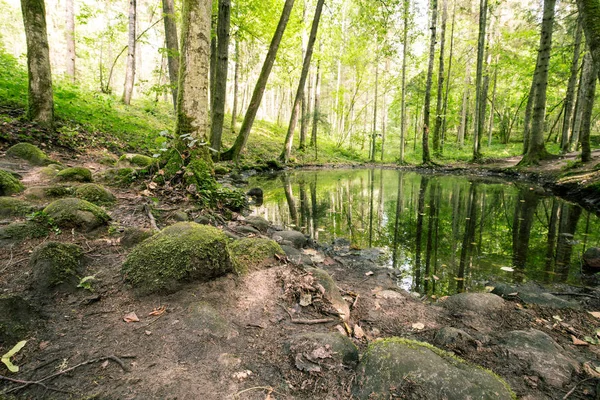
x=12, y=207
x=332, y=293
x=135, y=160
x=254, y=253
x=255, y=192
x=220, y=169
x=31, y=153
x=180, y=216
x=50, y=171
x=540, y=355
x=591, y=258
x=48, y=192
x=203, y=220
x=246, y=230
x=95, y=194
x=55, y=263
x=183, y=252
x=18, y=231
x=259, y=223
x=76, y=213
x=77, y=174
x=9, y=184
x=454, y=339
x=17, y=319
x=204, y=318
x=119, y=176
x=533, y=294
x=134, y=236
x=296, y=256
x=314, y=352
x=297, y=239
x=481, y=303
x=431, y=372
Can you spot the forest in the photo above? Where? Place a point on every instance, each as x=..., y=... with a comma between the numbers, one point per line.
x=299, y=199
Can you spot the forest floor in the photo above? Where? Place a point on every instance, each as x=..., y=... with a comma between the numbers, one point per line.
x=83, y=347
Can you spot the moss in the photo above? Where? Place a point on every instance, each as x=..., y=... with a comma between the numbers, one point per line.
x=252, y=252
x=182, y=252
x=18, y=231
x=31, y=153
x=76, y=213
x=95, y=194
x=221, y=169
x=50, y=171
x=79, y=174
x=11, y=207
x=46, y=192
x=138, y=160
x=54, y=263
x=9, y=184
x=134, y=236
x=120, y=176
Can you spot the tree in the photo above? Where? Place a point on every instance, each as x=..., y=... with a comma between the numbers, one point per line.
x=480, y=97
x=588, y=91
x=259, y=89
x=427, y=106
x=590, y=14
x=172, y=46
x=130, y=71
x=40, y=101
x=220, y=86
x=440, y=90
x=564, y=141
x=70, y=37
x=403, y=88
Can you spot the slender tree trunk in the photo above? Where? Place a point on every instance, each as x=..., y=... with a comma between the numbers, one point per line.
x=259, y=89
x=317, y=108
x=213, y=67
x=427, y=106
x=578, y=111
x=589, y=91
x=374, y=130
x=445, y=109
x=70, y=38
x=403, y=121
x=528, y=113
x=236, y=85
x=384, y=110
x=306, y=113
x=480, y=98
x=440, y=91
x=285, y=155
x=220, y=96
x=465, y=106
x=40, y=99
x=172, y=46
x=305, y=101
x=419, y=227
x=564, y=141
x=130, y=71
x=493, y=102
x=590, y=13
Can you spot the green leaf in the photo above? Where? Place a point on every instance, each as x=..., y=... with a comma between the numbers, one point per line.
x=6, y=358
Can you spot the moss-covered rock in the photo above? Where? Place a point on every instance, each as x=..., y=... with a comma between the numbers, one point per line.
x=48, y=192
x=77, y=174
x=31, y=153
x=76, y=213
x=17, y=319
x=120, y=176
x=55, y=263
x=180, y=253
x=95, y=194
x=50, y=171
x=9, y=184
x=253, y=253
x=332, y=293
x=136, y=160
x=389, y=366
x=258, y=222
x=134, y=236
x=12, y=207
x=18, y=231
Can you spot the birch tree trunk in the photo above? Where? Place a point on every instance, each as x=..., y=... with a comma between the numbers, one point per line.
x=589, y=91
x=172, y=46
x=374, y=130
x=236, y=85
x=578, y=110
x=130, y=70
x=480, y=98
x=427, y=106
x=403, y=88
x=564, y=141
x=70, y=38
x=440, y=90
x=450, y=57
x=462, y=129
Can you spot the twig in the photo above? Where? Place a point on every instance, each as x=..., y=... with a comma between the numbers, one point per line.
x=152, y=220
x=313, y=321
x=286, y=310
x=355, y=301
x=570, y=392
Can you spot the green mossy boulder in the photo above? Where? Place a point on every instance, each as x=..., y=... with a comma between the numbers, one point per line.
x=221, y=169
x=50, y=171
x=259, y=223
x=183, y=252
x=17, y=319
x=135, y=160
x=254, y=253
x=76, y=213
x=18, y=231
x=12, y=207
x=120, y=177
x=9, y=184
x=77, y=174
x=405, y=368
x=42, y=193
x=55, y=263
x=95, y=194
x=31, y=153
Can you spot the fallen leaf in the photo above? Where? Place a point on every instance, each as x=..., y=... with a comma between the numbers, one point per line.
x=104, y=364
x=131, y=317
x=593, y=372
x=158, y=311
x=507, y=269
x=369, y=273
x=152, y=185
x=6, y=357
x=358, y=332
x=43, y=345
x=489, y=289
x=418, y=326
x=595, y=314
x=329, y=261
x=578, y=342
x=305, y=299
x=310, y=252
x=557, y=317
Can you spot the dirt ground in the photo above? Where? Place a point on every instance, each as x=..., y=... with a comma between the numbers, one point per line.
x=83, y=348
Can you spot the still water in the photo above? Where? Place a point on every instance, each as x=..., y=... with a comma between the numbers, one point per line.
x=444, y=233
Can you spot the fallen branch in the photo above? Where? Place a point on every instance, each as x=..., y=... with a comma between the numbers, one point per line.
x=355, y=301
x=570, y=392
x=151, y=217
x=313, y=321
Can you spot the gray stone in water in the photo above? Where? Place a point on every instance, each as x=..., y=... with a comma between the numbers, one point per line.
x=397, y=367
x=476, y=302
x=531, y=294
x=297, y=239
x=313, y=352
x=541, y=355
x=591, y=258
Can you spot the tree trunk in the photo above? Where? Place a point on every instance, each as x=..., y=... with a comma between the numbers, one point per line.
x=403, y=121
x=521, y=231
x=213, y=68
x=528, y=112
x=317, y=108
x=220, y=96
x=374, y=130
x=480, y=98
x=384, y=110
x=590, y=13
x=589, y=91
x=172, y=46
x=536, y=150
x=259, y=89
x=564, y=141
x=445, y=109
x=440, y=90
x=130, y=71
x=285, y=155
x=40, y=100
x=465, y=105
x=427, y=106
x=70, y=38
x=577, y=111
x=306, y=112
x=493, y=102
x=236, y=85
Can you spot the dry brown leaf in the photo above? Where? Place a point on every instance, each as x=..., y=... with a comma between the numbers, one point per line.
x=358, y=332
x=590, y=370
x=158, y=311
x=329, y=261
x=104, y=364
x=578, y=342
x=131, y=317
x=418, y=326
x=595, y=314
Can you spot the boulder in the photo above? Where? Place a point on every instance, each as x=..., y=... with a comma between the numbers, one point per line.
x=221, y=169
x=12, y=207
x=246, y=230
x=17, y=319
x=77, y=174
x=180, y=216
x=134, y=236
x=332, y=293
x=591, y=258
x=49, y=192
x=203, y=318
x=183, y=252
x=50, y=171
x=135, y=160
x=297, y=239
x=29, y=152
x=55, y=263
x=258, y=223
x=95, y=194
x=18, y=231
x=314, y=352
x=454, y=339
x=404, y=368
x=253, y=253
x=480, y=303
x=76, y=213
x=296, y=256
x=9, y=184
x=120, y=176
x=530, y=293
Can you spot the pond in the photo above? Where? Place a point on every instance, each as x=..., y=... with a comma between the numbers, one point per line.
x=443, y=233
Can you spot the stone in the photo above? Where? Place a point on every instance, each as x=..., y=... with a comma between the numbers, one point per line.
x=314, y=352
x=204, y=318
x=95, y=194
x=121, y=177
x=48, y=192
x=481, y=303
x=54, y=264
x=246, y=230
x=77, y=174
x=221, y=169
x=135, y=160
x=18, y=318
x=134, y=236
x=258, y=223
x=184, y=252
x=533, y=294
x=76, y=213
x=12, y=207
x=296, y=256
x=18, y=231
x=540, y=355
x=332, y=293
x=254, y=253
x=403, y=368
x=29, y=152
x=454, y=339
x=50, y=171
x=297, y=239
x=180, y=216
x=591, y=258
x=9, y=184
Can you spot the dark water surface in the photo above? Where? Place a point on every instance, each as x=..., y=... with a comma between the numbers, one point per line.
x=445, y=233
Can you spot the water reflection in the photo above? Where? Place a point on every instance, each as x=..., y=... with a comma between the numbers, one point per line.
x=447, y=234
